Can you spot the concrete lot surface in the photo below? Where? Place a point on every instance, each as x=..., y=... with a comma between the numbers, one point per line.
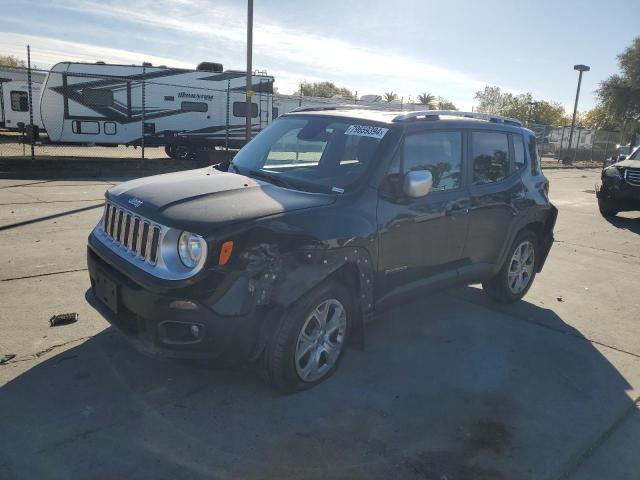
x=450, y=386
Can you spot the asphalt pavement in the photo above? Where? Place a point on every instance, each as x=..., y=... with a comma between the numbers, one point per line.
x=449, y=386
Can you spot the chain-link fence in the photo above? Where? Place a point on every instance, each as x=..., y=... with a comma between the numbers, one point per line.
x=586, y=144
x=103, y=111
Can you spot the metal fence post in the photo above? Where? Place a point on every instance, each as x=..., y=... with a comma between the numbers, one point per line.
x=606, y=146
x=226, y=133
x=144, y=118
x=31, y=127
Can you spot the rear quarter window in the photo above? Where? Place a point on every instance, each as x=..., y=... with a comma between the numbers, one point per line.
x=533, y=154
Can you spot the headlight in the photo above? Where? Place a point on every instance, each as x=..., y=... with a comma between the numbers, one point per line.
x=191, y=248
x=611, y=172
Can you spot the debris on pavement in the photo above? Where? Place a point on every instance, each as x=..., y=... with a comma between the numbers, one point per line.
x=63, y=319
x=560, y=299
x=6, y=357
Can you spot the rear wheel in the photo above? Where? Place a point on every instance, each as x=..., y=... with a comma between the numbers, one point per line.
x=310, y=339
x=515, y=277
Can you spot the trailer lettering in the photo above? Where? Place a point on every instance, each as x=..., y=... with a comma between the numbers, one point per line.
x=196, y=96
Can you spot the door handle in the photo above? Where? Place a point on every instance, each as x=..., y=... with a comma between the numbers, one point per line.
x=456, y=208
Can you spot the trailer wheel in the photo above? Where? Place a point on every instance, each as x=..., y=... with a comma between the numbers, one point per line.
x=168, y=149
x=181, y=151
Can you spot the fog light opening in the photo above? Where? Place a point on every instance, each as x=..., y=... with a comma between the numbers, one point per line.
x=195, y=331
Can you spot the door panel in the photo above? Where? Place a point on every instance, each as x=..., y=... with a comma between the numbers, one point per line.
x=494, y=193
x=422, y=240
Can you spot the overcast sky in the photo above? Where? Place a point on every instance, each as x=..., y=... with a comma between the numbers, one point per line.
x=448, y=48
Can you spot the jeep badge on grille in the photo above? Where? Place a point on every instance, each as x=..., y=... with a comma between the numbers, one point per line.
x=136, y=202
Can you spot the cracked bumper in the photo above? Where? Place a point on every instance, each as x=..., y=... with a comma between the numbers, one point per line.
x=167, y=325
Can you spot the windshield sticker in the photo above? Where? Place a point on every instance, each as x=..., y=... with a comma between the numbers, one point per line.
x=366, y=131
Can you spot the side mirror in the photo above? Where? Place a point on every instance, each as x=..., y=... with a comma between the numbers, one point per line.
x=417, y=183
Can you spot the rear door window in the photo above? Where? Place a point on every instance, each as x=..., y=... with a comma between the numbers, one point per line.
x=490, y=157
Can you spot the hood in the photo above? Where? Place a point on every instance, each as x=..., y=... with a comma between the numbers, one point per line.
x=628, y=164
x=206, y=199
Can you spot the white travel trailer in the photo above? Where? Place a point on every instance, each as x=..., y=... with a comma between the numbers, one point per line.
x=14, y=96
x=15, y=104
x=184, y=110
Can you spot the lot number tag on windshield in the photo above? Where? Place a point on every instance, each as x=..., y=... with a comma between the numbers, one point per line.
x=366, y=131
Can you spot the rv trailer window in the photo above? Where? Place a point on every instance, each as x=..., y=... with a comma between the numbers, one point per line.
x=86, y=128
x=240, y=107
x=98, y=97
x=20, y=101
x=194, y=107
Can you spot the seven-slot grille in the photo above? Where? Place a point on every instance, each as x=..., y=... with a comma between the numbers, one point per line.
x=633, y=176
x=132, y=232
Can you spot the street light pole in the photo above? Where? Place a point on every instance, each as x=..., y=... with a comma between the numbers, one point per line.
x=581, y=69
x=248, y=106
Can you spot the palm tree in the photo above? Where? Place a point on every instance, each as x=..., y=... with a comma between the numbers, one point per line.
x=390, y=97
x=426, y=99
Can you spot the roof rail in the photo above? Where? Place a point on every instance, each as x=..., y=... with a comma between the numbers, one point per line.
x=329, y=107
x=454, y=113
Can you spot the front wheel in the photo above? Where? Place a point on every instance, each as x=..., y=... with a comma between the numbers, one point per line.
x=310, y=339
x=515, y=277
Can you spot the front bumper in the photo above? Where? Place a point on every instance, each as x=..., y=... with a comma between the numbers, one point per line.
x=626, y=197
x=169, y=324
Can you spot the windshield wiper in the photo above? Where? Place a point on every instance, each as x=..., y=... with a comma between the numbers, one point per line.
x=269, y=178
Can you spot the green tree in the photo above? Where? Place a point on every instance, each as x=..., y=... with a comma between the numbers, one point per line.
x=389, y=97
x=444, y=104
x=493, y=100
x=11, y=61
x=324, y=89
x=426, y=99
x=619, y=95
x=600, y=118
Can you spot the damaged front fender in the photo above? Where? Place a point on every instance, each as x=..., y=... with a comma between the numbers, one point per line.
x=273, y=278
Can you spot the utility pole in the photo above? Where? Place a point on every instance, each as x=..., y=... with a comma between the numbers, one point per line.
x=581, y=69
x=248, y=106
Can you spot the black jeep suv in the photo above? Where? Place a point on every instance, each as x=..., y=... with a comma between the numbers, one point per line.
x=620, y=189
x=327, y=216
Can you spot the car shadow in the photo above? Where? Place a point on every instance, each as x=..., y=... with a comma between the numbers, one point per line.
x=625, y=223
x=446, y=387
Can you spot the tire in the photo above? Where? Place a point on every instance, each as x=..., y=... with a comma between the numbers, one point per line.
x=607, y=207
x=168, y=149
x=181, y=151
x=283, y=365
x=515, y=277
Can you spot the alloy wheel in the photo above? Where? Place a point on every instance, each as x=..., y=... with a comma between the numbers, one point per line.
x=521, y=267
x=320, y=340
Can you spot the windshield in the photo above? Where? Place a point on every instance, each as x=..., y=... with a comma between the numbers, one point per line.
x=635, y=155
x=311, y=153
